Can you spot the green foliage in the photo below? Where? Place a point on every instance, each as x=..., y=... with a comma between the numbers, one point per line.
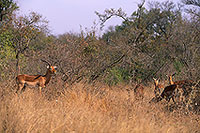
x=117, y=75
x=139, y=71
x=89, y=50
x=147, y=36
x=17, y=35
x=178, y=66
x=7, y=7
x=7, y=50
x=41, y=42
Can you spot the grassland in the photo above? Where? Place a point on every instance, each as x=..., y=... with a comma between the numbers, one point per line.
x=84, y=108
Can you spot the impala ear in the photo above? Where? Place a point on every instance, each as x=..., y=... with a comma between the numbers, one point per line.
x=55, y=67
x=48, y=67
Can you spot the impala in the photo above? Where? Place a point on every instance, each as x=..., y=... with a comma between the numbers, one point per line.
x=180, y=82
x=167, y=93
x=35, y=80
x=139, y=91
x=158, y=87
x=185, y=85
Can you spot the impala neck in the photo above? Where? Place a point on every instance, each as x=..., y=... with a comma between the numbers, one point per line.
x=170, y=80
x=48, y=76
x=155, y=83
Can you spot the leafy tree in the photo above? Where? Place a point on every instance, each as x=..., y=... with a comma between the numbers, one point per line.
x=25, y=30
x=142, y=37
x=7, y=7
x=18, y=35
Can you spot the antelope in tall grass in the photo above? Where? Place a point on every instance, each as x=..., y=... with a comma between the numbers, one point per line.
x=180, y=82
x=185, y=85
x=35, y=80
x=158, y=87
x=139, y=91
x=167, y=93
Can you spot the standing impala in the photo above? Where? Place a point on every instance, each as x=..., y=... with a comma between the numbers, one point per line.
x=158, y=87
x=185, y=85
x=167, y=92
x=180, y=82
x=35, y=80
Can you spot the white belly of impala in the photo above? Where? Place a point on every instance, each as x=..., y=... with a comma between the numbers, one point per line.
x=31, y=83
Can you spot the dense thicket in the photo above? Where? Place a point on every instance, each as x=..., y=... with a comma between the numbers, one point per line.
x=152, y=42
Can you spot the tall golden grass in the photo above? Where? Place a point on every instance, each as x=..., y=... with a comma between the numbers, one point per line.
x=86, y=108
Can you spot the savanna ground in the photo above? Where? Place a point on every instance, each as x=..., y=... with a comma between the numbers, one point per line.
x=90, y=108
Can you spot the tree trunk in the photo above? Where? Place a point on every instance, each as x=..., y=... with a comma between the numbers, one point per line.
x=17, y=64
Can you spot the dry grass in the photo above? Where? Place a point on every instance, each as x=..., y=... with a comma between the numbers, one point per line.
x=84, y=108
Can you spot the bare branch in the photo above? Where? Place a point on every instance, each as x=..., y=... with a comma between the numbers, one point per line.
x=109, y=13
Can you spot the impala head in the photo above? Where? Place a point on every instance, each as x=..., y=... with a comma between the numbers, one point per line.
x=170, y=79
x=157, y=88
x=155, y=81
x=52, y=69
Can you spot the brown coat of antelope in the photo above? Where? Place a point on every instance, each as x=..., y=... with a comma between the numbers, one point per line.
x=185, y=85
x=139, y=91
x=35, y=80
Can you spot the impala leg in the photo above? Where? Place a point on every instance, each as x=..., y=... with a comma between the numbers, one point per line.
x=173, y=100
x=20, y=87
x=23, y=88
x=173, y=96
x=40, y=88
